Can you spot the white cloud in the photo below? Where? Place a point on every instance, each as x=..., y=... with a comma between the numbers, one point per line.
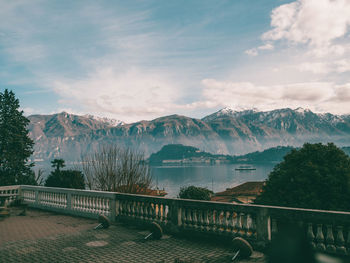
x=251, y=52
x=128, y=95
x=317, y=22
x=267, y=46
x=318, y=96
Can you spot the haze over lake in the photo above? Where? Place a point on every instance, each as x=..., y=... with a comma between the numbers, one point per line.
x=214, y=177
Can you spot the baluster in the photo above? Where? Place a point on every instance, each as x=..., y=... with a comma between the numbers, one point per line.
x=151, y=212
x=183, y=217
x=59, y=200
x=206, y=220
x=194, y=219
x=80, y=202
x=228, y=228
x=245, y=225
x=189, y=217
x=140, y=210
x=85, y=203
x=160, y=212
x=122, y=208
x=253, y=226
x=274, y=228
x=99, y=207
x=145, y=211
x=164, y=213
x=211, y=215
x=129, y=207
x=249, y=220
x=320, y=238
x=310, y=235
x=330, y=240
x=200, y=220
x=230, y=222
x=240, y=224
x=65, y=200
x=95, y=205
x=235, y=223
x=76, y=202
x=92, y=204
x=156, y=208
x=224, y=222
x=218, y=221
x=340, y=241
x=132, y=209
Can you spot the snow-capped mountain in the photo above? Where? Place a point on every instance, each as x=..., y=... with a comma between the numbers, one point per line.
x=224, y=132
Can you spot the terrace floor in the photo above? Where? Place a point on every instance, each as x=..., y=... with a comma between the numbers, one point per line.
x=42, y=236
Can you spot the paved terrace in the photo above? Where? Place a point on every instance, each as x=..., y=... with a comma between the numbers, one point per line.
x=43, y=236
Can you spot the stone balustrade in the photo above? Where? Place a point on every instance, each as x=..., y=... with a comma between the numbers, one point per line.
x=12, y=191
x=328, y=231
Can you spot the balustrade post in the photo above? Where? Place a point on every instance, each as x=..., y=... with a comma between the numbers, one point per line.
x=263, y=226
x=175, y=211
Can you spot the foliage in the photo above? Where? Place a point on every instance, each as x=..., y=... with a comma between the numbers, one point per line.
x=194, y=192
x=66, y=179
x=57, y=164
x=15, y=145
x=179, y=151
x=274, y=154
x=315, y=176
x=116, y=169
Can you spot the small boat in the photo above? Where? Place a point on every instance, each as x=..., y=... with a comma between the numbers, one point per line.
x=245, y=168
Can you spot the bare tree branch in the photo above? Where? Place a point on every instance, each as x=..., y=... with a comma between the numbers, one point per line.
x=116, y=169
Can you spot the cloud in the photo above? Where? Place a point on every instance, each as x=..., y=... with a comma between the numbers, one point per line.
x=128, y=95
x=251, y=52
x=318, y=96
x=317, y=22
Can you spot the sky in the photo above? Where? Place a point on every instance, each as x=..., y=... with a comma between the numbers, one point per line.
x=134, y=60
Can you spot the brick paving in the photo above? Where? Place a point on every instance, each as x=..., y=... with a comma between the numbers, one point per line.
x=47, y=237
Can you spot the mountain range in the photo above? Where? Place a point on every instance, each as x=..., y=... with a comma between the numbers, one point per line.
x=68, y=136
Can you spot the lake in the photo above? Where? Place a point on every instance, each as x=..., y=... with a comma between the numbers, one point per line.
x=213, y=177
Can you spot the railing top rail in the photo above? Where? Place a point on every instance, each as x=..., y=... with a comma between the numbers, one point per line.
x=275, y=211
x=9, y=187
x=67, y=190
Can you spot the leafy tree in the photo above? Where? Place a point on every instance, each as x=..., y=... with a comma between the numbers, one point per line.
x=315, y=176
x=66, y=179
x=15, y=145
x=57, y=164
x=196, y=193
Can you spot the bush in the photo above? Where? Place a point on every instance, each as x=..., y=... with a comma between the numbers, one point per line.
x=316, y=176
x=196, y=193
x=66, y=179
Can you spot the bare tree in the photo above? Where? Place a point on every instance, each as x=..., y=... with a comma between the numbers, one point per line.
x=116, y=169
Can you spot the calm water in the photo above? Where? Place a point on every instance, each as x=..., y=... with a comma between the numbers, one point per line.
x=214, y=177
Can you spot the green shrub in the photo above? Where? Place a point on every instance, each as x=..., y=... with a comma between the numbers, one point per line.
x=196, y=193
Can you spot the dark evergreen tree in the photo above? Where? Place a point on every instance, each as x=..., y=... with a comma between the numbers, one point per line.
x=15, y=145
x=316, y=176
x=57, y=164
x=66, y=179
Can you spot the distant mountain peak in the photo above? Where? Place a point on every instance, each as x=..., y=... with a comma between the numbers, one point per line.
x=111, y=122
